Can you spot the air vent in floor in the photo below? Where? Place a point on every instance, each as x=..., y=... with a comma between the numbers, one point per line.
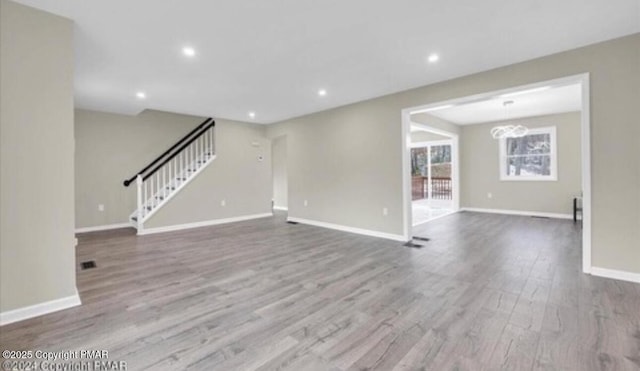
x=413, y=245
x=88, y=264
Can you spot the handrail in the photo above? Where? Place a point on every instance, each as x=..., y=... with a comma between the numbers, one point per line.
x=130, y=180
x=175, y=153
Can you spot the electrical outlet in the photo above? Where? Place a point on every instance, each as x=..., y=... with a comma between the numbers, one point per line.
x=385, y=211
x=306, y=203
x=223, y=203
x=489, y=195
x=100, y=207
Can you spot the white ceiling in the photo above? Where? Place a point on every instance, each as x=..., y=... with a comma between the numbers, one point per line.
x=271, y=57
x=536, y=103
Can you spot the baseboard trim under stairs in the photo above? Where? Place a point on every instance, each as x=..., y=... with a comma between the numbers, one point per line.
x=206, y=223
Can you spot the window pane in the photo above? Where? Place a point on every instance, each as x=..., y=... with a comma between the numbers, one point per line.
x=441, y=161
x=529, y=145
x=440, y=154
x=419, y=161
x=529, y=165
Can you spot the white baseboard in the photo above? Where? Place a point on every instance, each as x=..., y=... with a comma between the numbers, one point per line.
x=518, y=212
x=615, y=274
x=205, y=223
x=281, y=208
x=103, y=227
x=366, y=232
x=36, y=310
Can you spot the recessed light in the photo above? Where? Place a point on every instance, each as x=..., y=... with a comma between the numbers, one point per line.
x=252, y=115
x=189, y=51
x=433, y=58
x=141, y=95
x=322, y=92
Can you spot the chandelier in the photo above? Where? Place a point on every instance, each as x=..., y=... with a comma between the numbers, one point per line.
x=508, y=131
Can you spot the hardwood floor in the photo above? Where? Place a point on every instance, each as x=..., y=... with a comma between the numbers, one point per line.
x=488, y=292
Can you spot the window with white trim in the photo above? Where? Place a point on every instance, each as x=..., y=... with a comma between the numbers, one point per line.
x=531, y=157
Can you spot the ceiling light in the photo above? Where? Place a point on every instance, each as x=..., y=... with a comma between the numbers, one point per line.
x=189, y=51
x=521, y=92
x=508, y=131
x=252, y=115
x=322, y=92
x=141, y=95
x=433, y=58
x=436, y=108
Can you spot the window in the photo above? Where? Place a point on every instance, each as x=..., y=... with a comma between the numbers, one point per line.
x=531, y=157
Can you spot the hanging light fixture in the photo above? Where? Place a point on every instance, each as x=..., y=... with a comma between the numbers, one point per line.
x=508, y=131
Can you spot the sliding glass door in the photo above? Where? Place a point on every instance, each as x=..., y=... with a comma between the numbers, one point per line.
x=431, y=173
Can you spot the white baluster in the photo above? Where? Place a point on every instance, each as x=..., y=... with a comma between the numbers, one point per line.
x=213, y=141
x=197, y=149
x=144, y=204
x=170, y=165
x=206, y=144
x=139, y=184
x=157, y=183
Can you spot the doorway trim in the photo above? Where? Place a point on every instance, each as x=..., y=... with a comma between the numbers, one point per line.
x=582, y=79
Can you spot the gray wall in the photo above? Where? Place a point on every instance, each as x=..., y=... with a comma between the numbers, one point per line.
x=111, y=148
x=436, y=122
x=236, y=176
x=425, y=136
x=480, y=171
x=347, y=161
x=279, y=168
x=37, y=257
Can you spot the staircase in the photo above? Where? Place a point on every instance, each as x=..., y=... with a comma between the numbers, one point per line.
x=164, y=177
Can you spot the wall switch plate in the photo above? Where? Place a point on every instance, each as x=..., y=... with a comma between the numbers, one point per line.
x=306, y=203
x=385, y=211
x=489, y=195
x=223, y=203
x=100, y=207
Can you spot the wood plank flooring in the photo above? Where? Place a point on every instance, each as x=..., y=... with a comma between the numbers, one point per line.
x=488, y=292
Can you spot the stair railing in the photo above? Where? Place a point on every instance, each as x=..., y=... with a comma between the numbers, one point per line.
x=159, y=181
x=198, y=128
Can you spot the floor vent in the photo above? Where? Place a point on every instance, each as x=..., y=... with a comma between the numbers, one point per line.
x=421, y=238
x=88, y=264
x=290, y=222
x=540, y=217
x=413, y=245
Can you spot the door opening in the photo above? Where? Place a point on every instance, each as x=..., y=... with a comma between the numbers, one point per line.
x=280, y=199
x=582, y=81
x=432, y=180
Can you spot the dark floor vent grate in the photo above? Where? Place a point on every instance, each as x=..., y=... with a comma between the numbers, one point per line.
x=290, y=222
x=413, y=245
x=88, y=264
